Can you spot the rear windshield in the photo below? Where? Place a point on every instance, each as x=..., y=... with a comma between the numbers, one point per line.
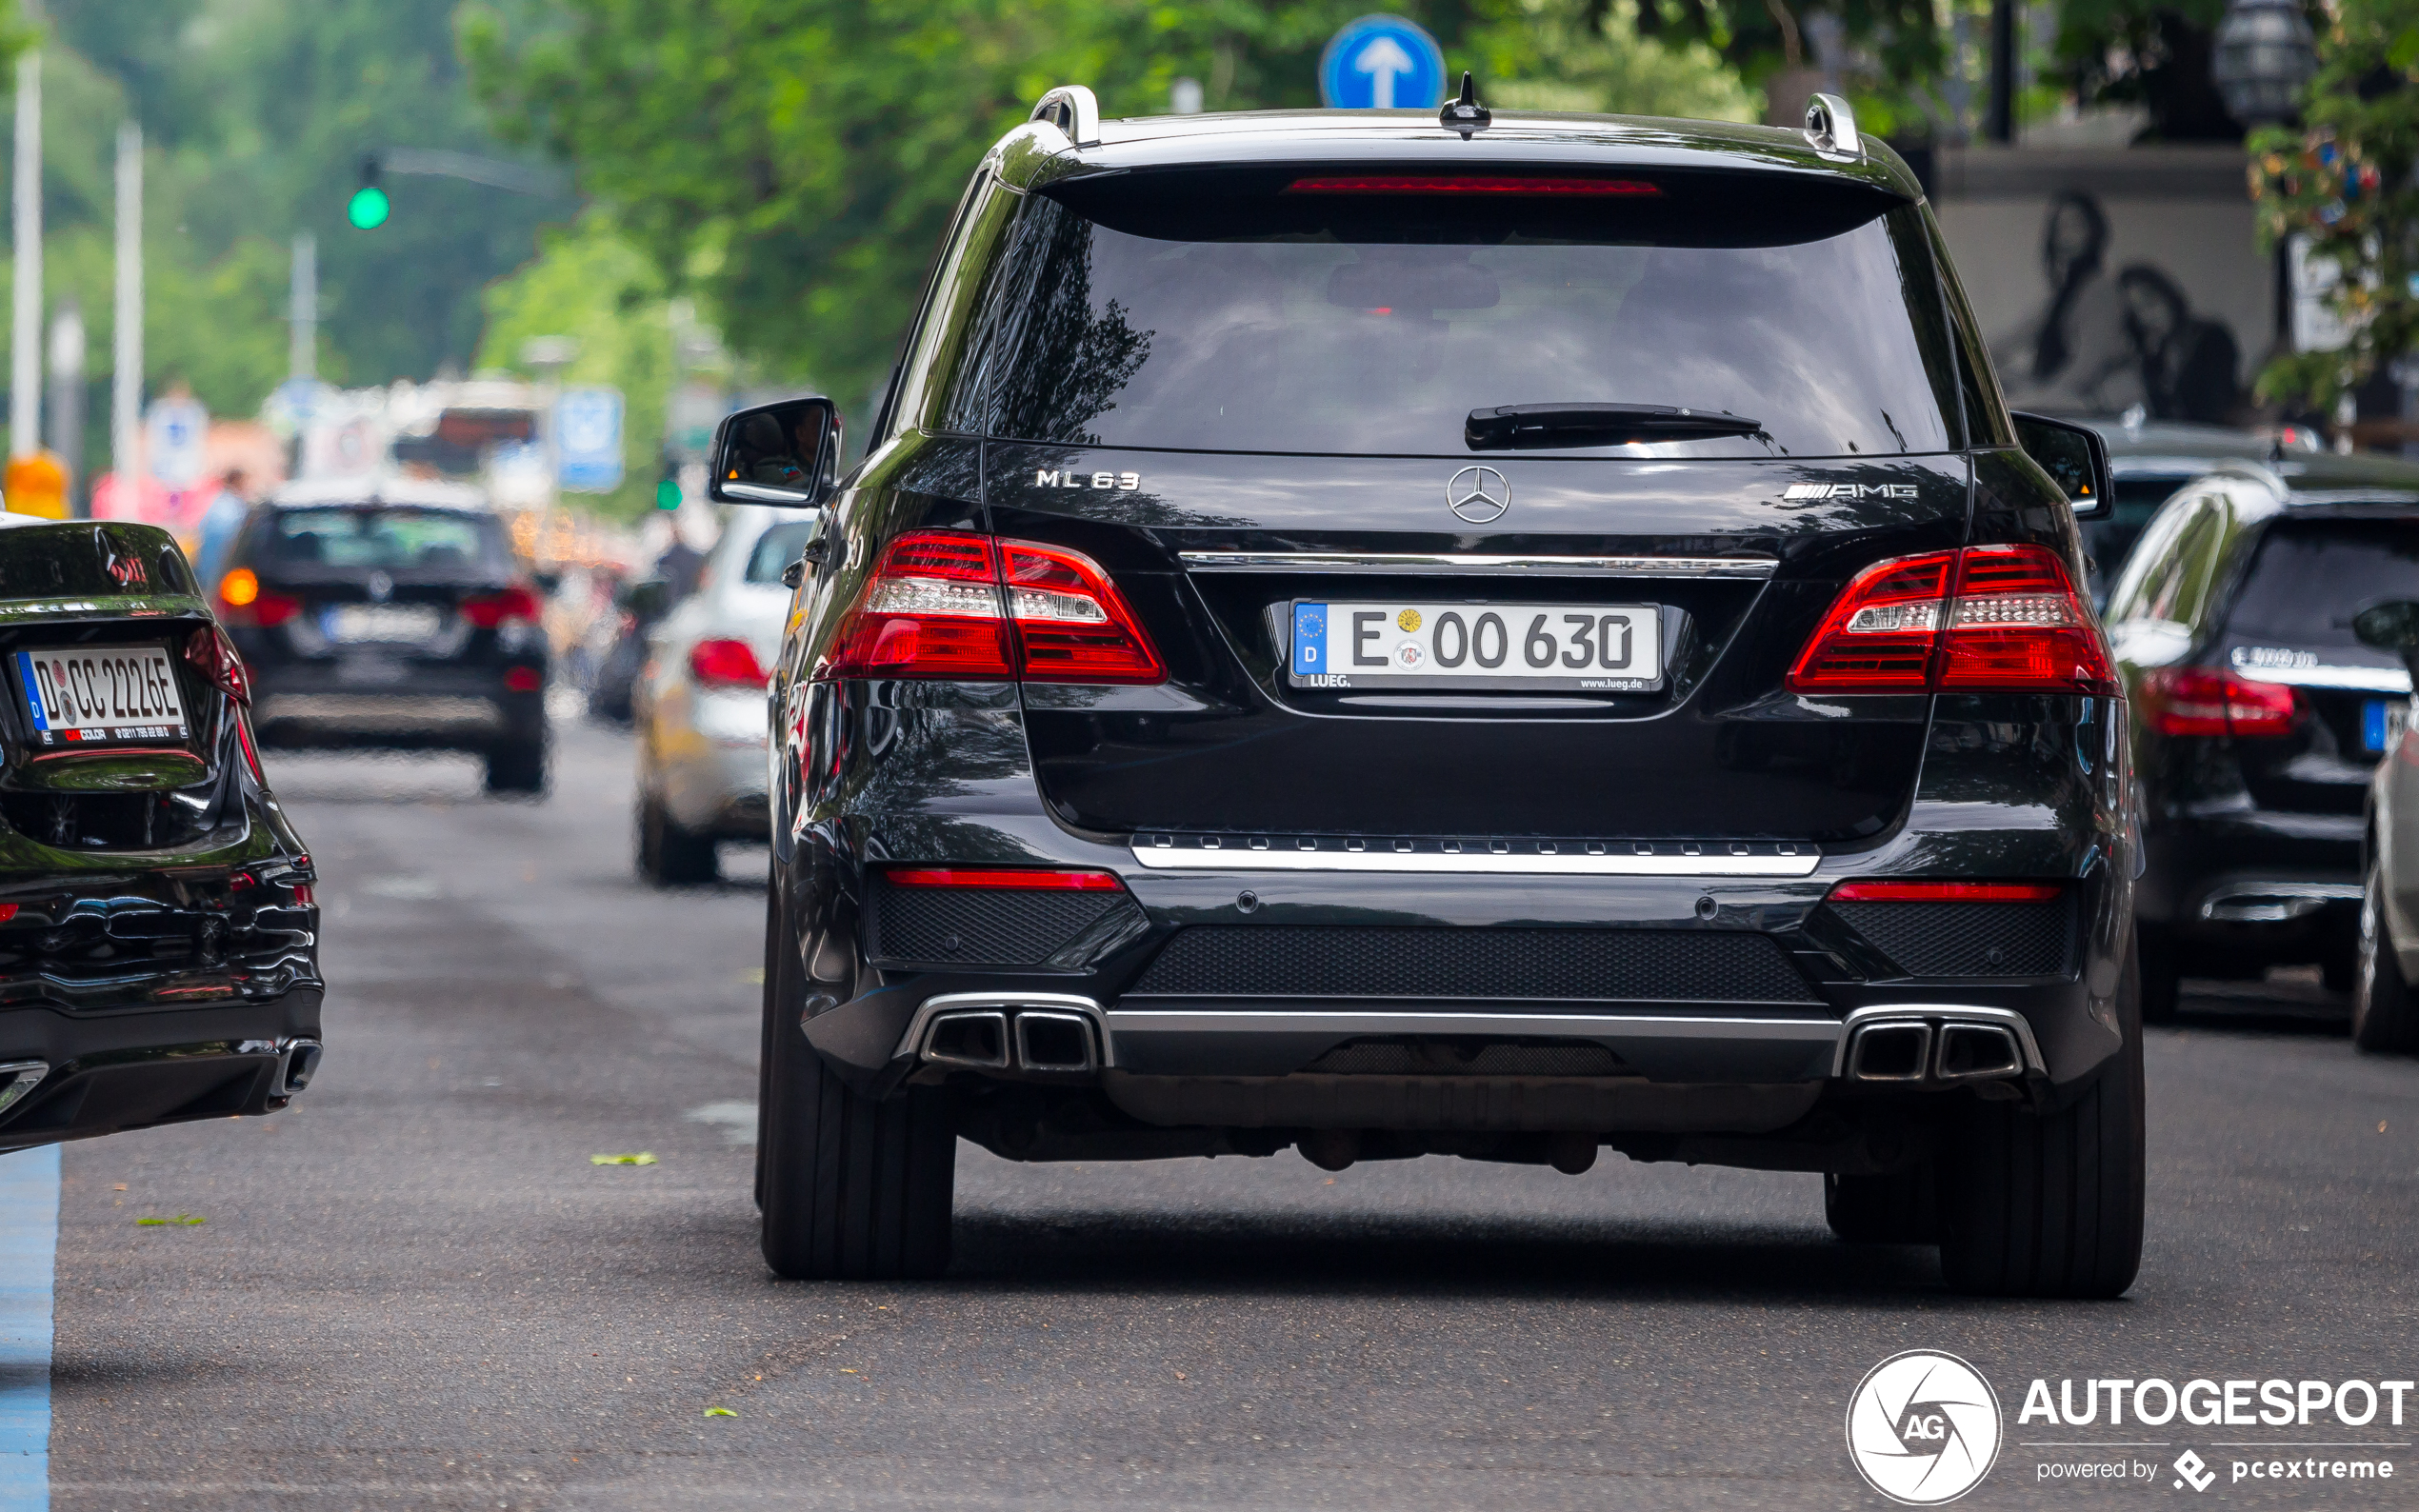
x=776, y=549
x=2309, y=577
x=386, y=539
x=1272, y=317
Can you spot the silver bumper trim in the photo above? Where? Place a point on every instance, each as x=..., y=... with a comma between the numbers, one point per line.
x=2274, y=902
x=1556, y=1025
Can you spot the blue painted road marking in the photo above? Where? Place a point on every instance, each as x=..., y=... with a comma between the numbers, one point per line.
x=28, y=1251
x=1384, y=62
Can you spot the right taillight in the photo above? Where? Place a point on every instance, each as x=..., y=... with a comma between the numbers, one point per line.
x=1980, y=619
x=2198, y=701
x=952, y=604
x=211, y=653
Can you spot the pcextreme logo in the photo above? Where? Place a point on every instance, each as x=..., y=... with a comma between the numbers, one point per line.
x=1923, y=1427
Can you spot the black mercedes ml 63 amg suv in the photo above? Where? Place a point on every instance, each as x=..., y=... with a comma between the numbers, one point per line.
x=1494, y=637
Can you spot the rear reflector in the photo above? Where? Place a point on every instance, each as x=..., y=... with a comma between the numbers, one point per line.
x=726, y=664
x=959, y=876
x=8, y=911
x=2198, y=701
x=523, y=680
x=1980, y=619
x=952, y=604
x=1946, y=891
x=1415, y=184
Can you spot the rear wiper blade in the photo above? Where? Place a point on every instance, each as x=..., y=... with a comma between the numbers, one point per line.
x=1520, y=428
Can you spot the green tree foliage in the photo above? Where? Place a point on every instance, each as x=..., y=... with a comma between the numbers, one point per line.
x=257, y=114
x=795, y=161
x=2344, y=181
x=594, y=285
x=1589, y=56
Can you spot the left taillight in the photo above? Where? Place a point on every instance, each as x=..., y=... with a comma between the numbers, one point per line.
x=488, y=611
x=726, y=664
x=954, y=604
x=1983, y=619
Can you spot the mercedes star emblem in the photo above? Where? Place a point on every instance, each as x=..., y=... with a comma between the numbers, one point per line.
x=1479, y=495
x=381, y=587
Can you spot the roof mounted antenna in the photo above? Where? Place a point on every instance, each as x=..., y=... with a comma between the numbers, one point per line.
x=1465, y=114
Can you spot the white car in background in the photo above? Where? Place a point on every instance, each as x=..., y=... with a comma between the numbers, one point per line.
x=699, y=705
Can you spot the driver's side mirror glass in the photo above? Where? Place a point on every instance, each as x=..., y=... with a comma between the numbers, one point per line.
x=2074, y=457
x=2388, y=627
x=784, y=454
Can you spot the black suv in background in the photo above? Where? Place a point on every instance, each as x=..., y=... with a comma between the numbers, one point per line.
x=1385, y=635
x=392, y=617
x=2258, y=713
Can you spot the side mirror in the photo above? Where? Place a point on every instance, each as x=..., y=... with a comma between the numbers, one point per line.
x=646, y=600
x=785, y=454
x=2074, y=457
x=2393, y=626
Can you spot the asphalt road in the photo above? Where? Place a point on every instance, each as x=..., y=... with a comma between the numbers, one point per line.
x=415, y=1290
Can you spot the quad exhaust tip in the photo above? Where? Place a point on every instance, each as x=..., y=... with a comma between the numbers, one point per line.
x=1044, y=1039
x=1942, y=1049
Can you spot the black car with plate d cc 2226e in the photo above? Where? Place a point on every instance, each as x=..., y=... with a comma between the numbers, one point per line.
x=159, y=955
x=1497, y=637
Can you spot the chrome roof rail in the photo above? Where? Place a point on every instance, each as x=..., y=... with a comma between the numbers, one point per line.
x=1831, y=125
x=1072, y=108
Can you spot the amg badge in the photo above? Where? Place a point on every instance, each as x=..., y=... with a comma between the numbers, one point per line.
x=1850, y=490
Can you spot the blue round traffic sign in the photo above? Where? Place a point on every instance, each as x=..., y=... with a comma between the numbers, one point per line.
x=1384, y=62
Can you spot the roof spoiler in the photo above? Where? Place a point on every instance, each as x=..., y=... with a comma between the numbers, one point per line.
x=1073, y=110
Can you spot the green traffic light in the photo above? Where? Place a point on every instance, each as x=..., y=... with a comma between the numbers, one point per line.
x=369, y=208
x=668, y=493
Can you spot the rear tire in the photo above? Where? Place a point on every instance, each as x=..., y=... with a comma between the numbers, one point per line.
x=852, y=1189
x=2384, y=1019
x=518, y=766
x=1898, y=1208
x=2049, y=1204
x=2161, y=991
x=669, y=856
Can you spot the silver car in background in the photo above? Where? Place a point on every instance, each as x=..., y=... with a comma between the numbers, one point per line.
x=699, y=704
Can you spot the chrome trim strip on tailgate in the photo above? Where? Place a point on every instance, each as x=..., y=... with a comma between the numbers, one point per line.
x=1624, y=566
x=1484, y=856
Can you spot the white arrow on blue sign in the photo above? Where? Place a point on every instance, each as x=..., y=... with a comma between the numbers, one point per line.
x=1382, y=63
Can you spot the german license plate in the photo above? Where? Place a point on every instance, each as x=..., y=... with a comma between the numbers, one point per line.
x=410, y=623
x=2381, y=722
x=102, y=695
x=1592, y=647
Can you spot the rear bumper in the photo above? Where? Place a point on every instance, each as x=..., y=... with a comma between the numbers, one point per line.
x=449, y=714
x=107, y=1073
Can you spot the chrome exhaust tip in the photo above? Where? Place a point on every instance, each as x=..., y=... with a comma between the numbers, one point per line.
x=1976, y=1052
x=1890, y=1052
x=300, y=1065
x=1054, y=1042
x=976, y=1040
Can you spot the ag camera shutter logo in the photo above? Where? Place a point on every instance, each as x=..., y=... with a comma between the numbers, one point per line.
x=1923, y=1427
